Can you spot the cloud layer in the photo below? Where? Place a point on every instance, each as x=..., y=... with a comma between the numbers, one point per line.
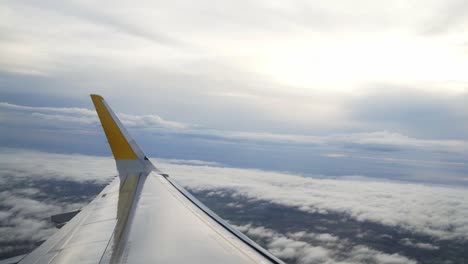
x=438, y=212
x=435, y=210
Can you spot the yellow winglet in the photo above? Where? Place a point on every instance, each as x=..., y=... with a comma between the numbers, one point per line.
x=118, y=143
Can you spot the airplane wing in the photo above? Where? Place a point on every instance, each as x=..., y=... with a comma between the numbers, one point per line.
x=144, y=216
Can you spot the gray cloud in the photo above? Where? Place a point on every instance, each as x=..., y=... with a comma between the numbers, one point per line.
x=420, y=245
x=422, y=114
x=114, y=21
x=451, y=17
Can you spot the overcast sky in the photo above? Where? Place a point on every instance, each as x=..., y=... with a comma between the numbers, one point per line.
x=376, y=77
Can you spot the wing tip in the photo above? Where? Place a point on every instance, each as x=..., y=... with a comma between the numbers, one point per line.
x=96, y=96
x=116, y=135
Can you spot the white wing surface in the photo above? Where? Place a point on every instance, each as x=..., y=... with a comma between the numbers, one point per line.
x=144, y=216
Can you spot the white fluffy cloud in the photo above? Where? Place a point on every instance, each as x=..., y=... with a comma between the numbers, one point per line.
x=24, y=217
x=28, y=163
x=439, y=211
x=25, y=204
x=410, y=243
x=320, y=248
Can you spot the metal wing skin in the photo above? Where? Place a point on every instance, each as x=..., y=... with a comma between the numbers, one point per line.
x=144, y=216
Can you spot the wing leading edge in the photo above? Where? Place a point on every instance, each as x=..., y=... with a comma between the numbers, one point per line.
x=144, y=216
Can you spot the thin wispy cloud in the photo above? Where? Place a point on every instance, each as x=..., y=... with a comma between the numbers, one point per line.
x=85, y=117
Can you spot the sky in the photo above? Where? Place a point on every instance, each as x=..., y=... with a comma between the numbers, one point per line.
x=316, y=87
x=362, y=95
x=294, y=67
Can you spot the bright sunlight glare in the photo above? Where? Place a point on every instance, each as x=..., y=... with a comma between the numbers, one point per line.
x=346, y=65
